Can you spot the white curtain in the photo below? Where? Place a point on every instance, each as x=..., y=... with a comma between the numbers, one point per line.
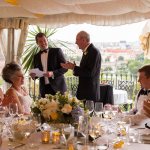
x=13, y=33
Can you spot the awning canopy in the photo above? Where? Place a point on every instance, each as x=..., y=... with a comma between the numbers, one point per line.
x=63, y=12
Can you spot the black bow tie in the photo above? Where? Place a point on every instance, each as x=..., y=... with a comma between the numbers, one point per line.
x=44, y=51
x=144, y=92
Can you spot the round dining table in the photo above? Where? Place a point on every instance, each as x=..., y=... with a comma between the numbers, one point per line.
x=34, y=143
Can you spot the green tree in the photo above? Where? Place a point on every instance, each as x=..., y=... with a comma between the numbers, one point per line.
x=120, y=58
x=31, y=48
x=134, y=65
x=108, y=69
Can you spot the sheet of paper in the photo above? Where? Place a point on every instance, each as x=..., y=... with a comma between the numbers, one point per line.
x=38, y=72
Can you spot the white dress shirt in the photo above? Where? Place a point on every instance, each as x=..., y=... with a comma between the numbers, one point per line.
x=44, y=59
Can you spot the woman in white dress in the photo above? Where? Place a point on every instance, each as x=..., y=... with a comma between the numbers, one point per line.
x=17, y=93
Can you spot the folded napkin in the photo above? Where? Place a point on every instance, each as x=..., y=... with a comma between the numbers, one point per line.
x=145, y=135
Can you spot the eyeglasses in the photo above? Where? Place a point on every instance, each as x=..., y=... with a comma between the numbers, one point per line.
x=20, y=76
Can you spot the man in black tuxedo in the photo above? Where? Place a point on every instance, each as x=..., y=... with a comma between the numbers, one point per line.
x=89, y=69
x=48, y=60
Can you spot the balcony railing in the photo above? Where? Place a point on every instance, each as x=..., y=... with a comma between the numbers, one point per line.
x=118, y=81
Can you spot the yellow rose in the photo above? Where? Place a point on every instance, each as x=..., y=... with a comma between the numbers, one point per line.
x=67, y=108
x=54, y=115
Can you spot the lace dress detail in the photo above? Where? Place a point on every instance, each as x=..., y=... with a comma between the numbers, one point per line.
x=26, y=101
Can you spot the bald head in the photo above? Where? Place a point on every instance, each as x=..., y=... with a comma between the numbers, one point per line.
x=84, y=35
x=82, y=39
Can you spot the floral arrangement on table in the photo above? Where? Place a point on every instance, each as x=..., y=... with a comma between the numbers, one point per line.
x=58, y=108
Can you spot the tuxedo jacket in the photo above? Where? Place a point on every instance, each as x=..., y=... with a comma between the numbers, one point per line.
x=55, y=57
x=89, y=73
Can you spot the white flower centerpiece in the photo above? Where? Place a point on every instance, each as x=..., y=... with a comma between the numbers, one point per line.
x=58, y=108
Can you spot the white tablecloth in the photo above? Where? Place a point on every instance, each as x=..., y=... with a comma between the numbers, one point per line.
x=40, y=146
x=120, y=96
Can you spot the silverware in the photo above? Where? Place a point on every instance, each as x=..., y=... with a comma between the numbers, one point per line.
x=17, y=146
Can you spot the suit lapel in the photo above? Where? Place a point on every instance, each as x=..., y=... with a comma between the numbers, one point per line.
x=85, y=56
x=49, y=57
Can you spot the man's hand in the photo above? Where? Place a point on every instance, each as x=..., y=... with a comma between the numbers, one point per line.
x=33, y=75
x=68, y=65
x=48, y=74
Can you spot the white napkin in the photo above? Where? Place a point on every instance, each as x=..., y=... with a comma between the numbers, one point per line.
x=145, y=134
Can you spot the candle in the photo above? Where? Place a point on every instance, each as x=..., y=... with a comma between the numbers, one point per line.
x=70, y=146
x=45, y=137
x=56, y=137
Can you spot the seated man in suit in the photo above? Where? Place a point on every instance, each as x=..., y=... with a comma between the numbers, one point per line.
x=140, y=112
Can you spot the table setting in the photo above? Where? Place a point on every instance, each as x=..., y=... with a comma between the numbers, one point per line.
x=70, y=126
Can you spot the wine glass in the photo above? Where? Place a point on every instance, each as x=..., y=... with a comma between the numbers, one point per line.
x=108, y=111
x=68, y=132
x=13, y=109
x=94, y=130
x=98, y=109
x=21, y=113
x=90, y=106
x=115, y=110
x=37, y=120
x=83, y=126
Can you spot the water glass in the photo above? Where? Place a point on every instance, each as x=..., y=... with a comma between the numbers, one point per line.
x=103, y=143
x=99, y=109
x=90, y=106
x=83, y=126
x=108, y=111
x=13, y=109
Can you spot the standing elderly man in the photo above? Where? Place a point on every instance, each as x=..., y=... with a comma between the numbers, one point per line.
x=48, y=60
x=140, y=112
x=89, y=69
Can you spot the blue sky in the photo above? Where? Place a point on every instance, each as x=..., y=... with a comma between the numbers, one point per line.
x=129, y=32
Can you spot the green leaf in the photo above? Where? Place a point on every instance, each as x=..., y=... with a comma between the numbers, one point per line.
x=31, y=48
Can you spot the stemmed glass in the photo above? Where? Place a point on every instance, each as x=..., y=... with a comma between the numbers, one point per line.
x=108, y=111
x=84, y=126
x=90, y=106
x=21, y=113
x=13, y=109
x=115, y=109
x=99, y=109
x=67, y=131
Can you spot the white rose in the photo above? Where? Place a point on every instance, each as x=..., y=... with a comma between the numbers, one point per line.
x=66, y=109
x=46, y=113
x=53, y=106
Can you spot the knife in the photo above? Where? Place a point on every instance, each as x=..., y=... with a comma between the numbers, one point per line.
x=17, y=146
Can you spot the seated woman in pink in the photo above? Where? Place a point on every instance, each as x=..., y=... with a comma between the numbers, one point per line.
x=12, y=74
